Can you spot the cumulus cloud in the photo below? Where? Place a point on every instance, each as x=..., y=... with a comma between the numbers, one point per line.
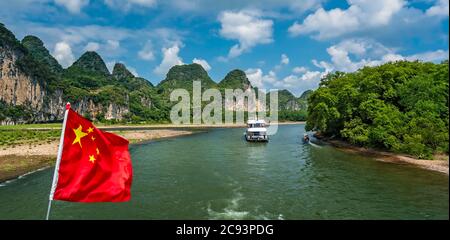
x=353, y=54
x=361, y=14
x=247, y=27
x=309, y=79
x=63, y=53
x=202, y=62
x=92, y=46
x=439, y=9
x=298, y=70
x=112, y=44
x=260, y=80
x=73, y=6
x=348, y=56
x=293, y=82
x=170, y=59
x=430, y=56
x=284, y=59
x=146, y=53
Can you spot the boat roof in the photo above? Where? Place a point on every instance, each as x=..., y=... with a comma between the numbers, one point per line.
x=255, y=121
x=257, y=130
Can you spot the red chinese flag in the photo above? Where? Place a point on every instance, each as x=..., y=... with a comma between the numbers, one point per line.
x=95, y=165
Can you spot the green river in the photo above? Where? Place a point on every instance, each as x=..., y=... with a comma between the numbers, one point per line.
x=218, y=175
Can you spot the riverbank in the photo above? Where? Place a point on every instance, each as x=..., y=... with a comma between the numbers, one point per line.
x=22, y=158
x=106, y=127
x=439, y=164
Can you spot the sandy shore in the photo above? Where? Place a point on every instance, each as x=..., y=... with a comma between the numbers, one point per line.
x=439, y=164
x=21, y=159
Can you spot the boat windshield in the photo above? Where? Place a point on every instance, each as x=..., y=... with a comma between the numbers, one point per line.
x=256, y=125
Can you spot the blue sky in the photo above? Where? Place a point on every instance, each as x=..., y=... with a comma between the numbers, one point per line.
x=280, y=44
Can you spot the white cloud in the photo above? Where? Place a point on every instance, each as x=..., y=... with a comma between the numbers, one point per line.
x=63, y=53
x=430, y=56
x=299, y=83
x=254, y=75
x=113, y=44
x=361, y=14
x=92, y=46
x=294, y=83
x=284, y=59
x=146, y=53
x=127, y=5
x=369, y=53
x=73, y=6
x=202, y=62
x=260, y=80
x=170, y=59
x=440, y=9
x=247, y=27
x=299, y=70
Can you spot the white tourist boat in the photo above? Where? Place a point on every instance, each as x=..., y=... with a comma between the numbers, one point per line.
x=256, y=131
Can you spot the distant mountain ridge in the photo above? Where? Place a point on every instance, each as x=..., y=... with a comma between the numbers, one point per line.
x=34, y=86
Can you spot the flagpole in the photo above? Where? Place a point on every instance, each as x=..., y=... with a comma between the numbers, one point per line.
x=58, y=161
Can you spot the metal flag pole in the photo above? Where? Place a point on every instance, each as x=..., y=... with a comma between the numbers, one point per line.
x=58, y=161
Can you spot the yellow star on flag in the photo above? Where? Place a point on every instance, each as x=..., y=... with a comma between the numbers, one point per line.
x=78, y=135
x=98, y=151
x=93, y=138
x=91, y=158
x=90, y=129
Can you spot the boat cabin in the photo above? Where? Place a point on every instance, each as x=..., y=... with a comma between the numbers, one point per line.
x=256, y=131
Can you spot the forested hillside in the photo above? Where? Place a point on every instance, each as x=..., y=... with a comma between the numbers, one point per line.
x=401, y=106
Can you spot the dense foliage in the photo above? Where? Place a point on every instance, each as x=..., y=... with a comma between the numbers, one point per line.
x=36, y=48
x=236, y=79
x=401, y=106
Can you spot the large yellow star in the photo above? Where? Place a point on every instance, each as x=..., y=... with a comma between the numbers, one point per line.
x=91, y=158
x=78, y=135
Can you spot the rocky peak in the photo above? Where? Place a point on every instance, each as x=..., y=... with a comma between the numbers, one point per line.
x=285, y=93
x=36, y=48
x=121, y=72
x=182, y=76
x=306, y=94
x=90, y=61
x=236, y=79
x=8, y=40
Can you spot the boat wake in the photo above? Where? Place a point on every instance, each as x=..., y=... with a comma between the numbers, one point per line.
x=230, y=212
x=234, y=211
x=314, y=145
x=28, y=173
x=21, y=176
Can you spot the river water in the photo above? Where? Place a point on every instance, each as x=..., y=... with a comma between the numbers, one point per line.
x=217, y=175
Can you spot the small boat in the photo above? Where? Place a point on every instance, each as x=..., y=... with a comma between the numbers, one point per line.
x=256, y=131
x=305, y=138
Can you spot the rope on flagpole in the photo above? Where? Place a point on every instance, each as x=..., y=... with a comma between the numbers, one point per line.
x=58, y=161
